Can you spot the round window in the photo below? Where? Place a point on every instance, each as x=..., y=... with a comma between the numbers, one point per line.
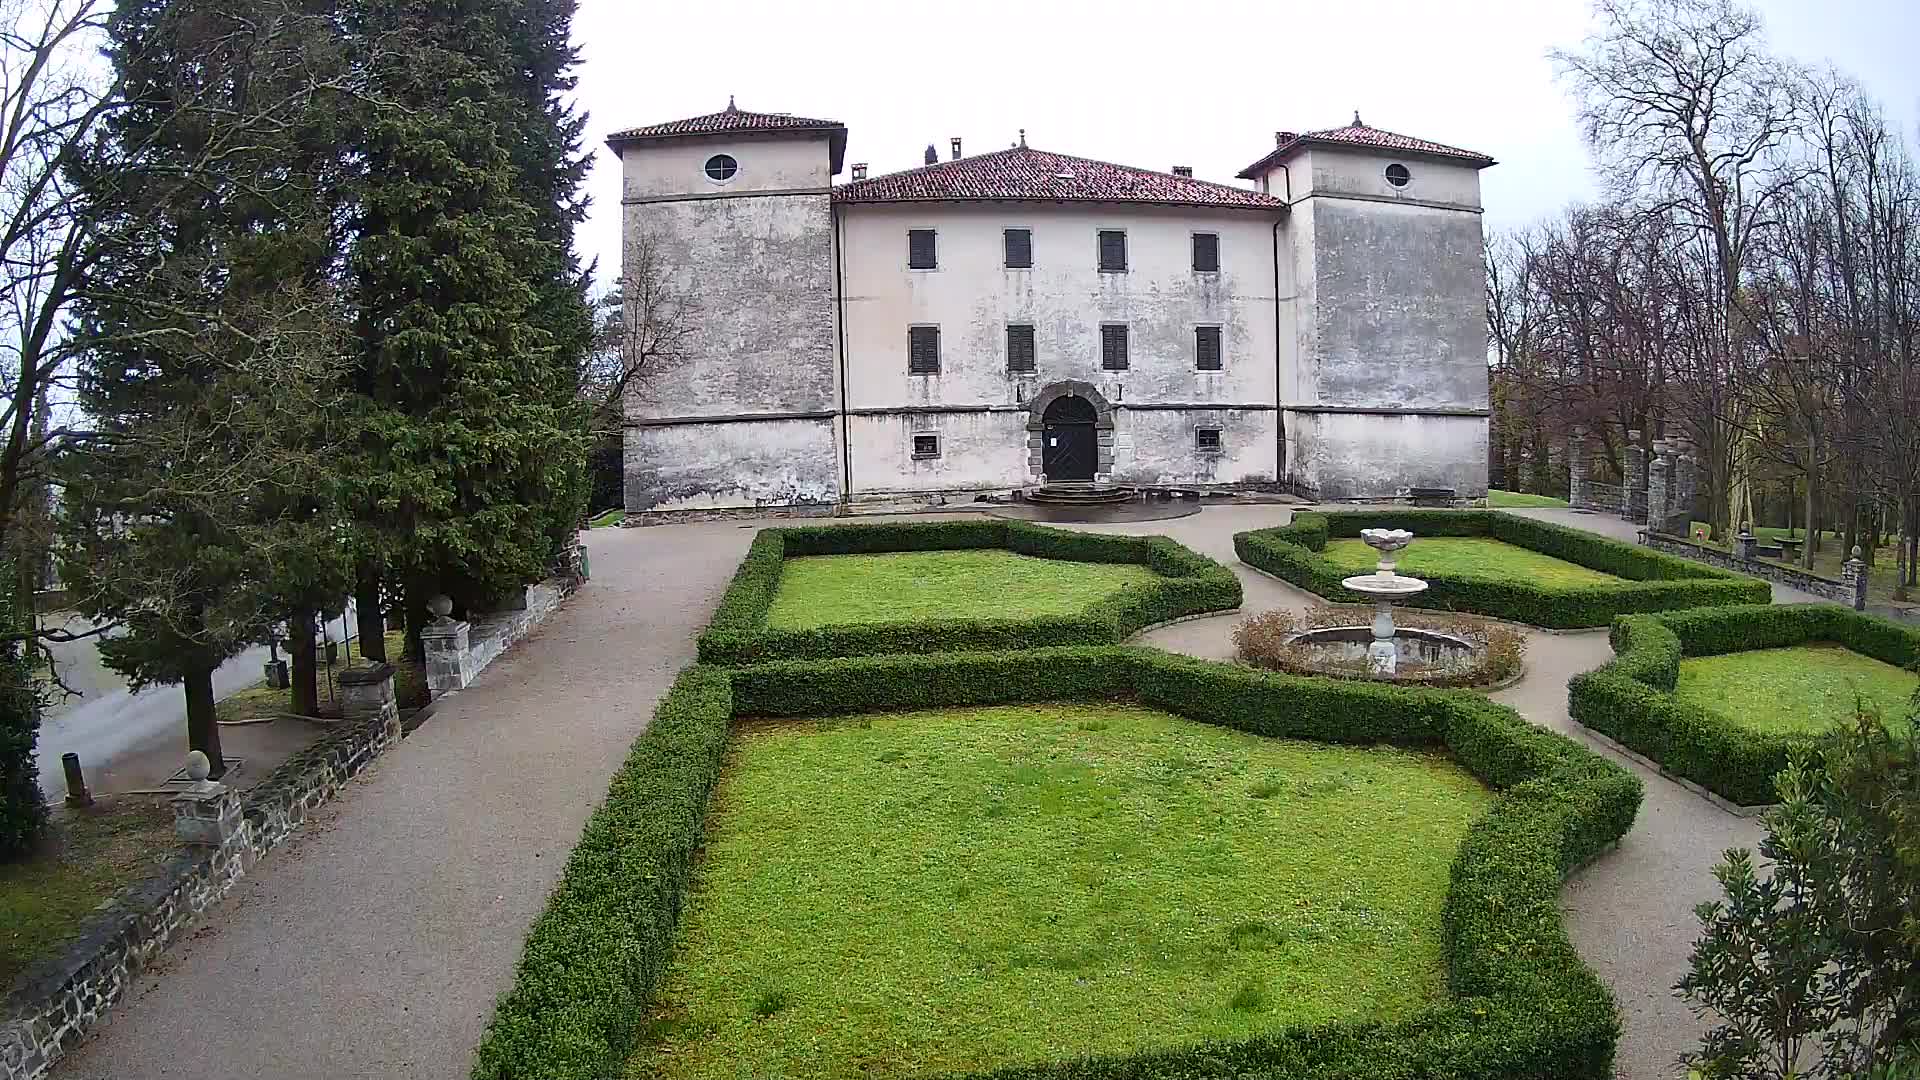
x=722, y=167
x=1397, y=175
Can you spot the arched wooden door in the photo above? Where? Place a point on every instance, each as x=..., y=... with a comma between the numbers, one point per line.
x=1069, y=449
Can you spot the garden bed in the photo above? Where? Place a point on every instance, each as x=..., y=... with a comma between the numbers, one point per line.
x=1490, y=580
x=1729, y=726
x=995, y=585
x=1518, y=1002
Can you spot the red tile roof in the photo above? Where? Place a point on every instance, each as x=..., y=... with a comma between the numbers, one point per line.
x=1359, y=134
x=736, y=121
x=1023, y=173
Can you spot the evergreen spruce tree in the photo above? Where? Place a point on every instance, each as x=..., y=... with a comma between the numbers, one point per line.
x=23, y=813
x=214, y=351
x=471, y=468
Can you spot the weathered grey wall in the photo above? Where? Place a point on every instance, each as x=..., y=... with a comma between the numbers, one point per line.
x=759, y=268
x=1157, y=446
x=1360, y=456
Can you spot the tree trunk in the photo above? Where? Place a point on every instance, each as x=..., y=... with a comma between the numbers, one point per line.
x=300, y=649
x=371, y=627
x=1812, y=545
x=203, y=734
x=417, y=593
x=1900, y=552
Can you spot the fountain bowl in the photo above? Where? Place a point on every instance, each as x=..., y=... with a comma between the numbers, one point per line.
x=1419, y=655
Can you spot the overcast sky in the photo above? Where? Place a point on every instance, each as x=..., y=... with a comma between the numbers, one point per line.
x=1157, y=84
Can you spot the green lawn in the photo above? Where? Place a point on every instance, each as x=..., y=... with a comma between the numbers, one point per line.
x=1499, y=499
x=825, y=590
x=1468, y=556
x=1804, y=689
x=92, y=855
x=608, y=518
x=965, y=889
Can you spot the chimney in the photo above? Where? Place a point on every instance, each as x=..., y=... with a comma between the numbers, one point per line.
x=1183, y=170
x=932, y=154
x=956, y=148
x=1282, y=138
x=859, y=170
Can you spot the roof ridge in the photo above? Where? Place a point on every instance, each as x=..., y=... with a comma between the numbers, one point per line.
x=1049, y=153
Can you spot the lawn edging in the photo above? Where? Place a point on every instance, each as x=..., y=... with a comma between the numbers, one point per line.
x=1631, y=699
x=1185, y=583
x=1523, y=1004
x=1654, y=581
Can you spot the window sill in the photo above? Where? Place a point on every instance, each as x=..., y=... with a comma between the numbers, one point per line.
x=925, y=457
x=922, y=374
x=1105, y=270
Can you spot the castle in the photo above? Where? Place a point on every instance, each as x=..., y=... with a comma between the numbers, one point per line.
x=993, y=322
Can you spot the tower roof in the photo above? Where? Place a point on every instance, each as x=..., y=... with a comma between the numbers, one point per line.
x=736, y=121
x=1360, y=135
x=1026, y=174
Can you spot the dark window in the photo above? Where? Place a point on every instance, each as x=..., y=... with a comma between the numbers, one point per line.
x=1206, y=348
x=1398, y=176
x=722, y=167
x=1207, y=440
x=920, y=249
x=1113, y=347
x=1113, y=250
x=1206, y=251
x=923, y=350
x=1019, y=249
x=925, y=446
x=1020, y=355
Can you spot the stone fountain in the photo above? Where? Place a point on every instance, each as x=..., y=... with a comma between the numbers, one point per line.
x=1384, y=651
x=1385, y=587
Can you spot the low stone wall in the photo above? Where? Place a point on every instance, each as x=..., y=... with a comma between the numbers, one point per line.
x=458, y=651
x=1840, y=592
x=51, y=1009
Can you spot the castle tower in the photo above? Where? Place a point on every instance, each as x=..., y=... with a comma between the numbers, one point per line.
x=729, y=214
x=1389, y=389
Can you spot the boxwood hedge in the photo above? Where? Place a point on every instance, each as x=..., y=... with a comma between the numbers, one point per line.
x=1522, y=1004
x=1654, y=581
x=1631, y=699
x=1185, y=583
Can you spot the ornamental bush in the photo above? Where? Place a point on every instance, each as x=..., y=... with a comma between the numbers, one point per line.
x=1653, y=581
x=1631, y=699
x=1524, y=1005
x=1186, y=583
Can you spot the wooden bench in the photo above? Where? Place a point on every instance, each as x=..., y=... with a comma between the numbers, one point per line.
x=1423, y=496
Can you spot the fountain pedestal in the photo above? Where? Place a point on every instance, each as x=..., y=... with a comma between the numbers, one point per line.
x=1384, y=586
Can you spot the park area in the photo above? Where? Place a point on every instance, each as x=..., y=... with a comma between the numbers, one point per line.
x=1469, y=557
x=959, y=890
x=1801, y=689
x=826, y=590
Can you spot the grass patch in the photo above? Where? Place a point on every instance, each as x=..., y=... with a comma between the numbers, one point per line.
x=909, y=586
x=1468, y=557
x=1500, y=499
x=1801, y=690
x=969, y=888
x=92, y=855
x=608, y=518
x=259, y=700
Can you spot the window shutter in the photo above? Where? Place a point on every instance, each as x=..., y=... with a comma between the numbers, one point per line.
x=920, y=249
x=1020, y=351
x=1019, y=249
x=1206, y=348
x=1206, y=252
x=1113, y=250
x=1113, y=348
x=923, y=350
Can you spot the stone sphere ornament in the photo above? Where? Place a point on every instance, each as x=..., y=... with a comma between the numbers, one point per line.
x=198, y=767
x=441, y=605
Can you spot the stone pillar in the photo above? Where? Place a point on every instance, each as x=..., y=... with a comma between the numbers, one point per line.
x=367, y=691
x=208, y=812
x=1659, y=490
x=1579, y=487
x=1634, y=459
x=1743, y=544
x=449, y=664
x=1854, y=573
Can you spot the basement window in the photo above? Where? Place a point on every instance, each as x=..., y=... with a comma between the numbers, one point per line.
x=1113, y=347
x=1020, y=350
x=1398, y=176
x=921, y=250
x=1206, y=253
x=1207, y=440
x=923, y=350
x=1113, y=251
x=1019, y=249
x=1206, y=348
x=926, y=446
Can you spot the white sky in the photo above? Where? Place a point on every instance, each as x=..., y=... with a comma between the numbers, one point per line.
x=1156, y=84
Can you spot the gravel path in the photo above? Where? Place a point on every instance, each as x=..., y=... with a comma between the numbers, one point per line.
x=375, y=943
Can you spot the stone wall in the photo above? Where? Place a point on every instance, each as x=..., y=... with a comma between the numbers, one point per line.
x=1840, y=592
x=54, y=1006
x=458, y=651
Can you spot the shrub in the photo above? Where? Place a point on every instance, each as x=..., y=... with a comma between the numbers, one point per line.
x=1653, y=581
x=23, y=813
x=1525, y=1006
x=1185, y=583
x=1265, y=641
x=1631, y=700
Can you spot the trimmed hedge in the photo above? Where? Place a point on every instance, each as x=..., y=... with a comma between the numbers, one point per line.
x=1186, y=583
x=1654, y=581
x=1523, y=1005
x=1631, y=700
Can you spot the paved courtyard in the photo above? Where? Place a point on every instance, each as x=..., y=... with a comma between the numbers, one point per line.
x=375, y=943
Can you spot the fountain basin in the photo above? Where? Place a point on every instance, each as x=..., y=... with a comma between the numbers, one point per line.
x=1384, y=586
x=1418, y=655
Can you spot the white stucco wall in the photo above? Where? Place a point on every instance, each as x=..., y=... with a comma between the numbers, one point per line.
x=767, y=163
x=979, y=451
x=1362, y=455
x=728, y=465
